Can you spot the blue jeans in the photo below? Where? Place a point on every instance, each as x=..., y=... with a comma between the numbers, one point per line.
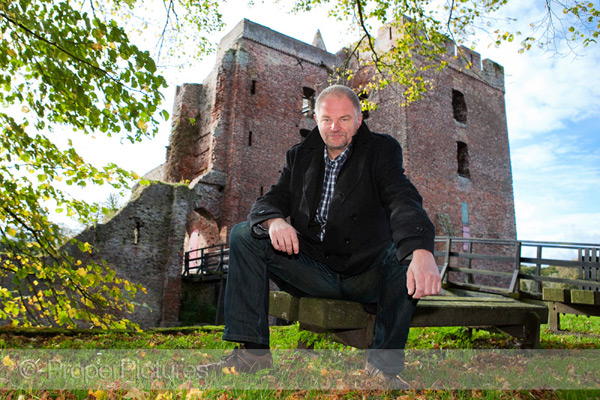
x=252, y=261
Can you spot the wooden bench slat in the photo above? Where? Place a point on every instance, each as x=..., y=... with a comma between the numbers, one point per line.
x=589, y=297
x=283, y=305
x=472, y=313
x=556, y=294
x=320, y=312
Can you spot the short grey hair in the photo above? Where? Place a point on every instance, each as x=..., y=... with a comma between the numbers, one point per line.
x=339, y=90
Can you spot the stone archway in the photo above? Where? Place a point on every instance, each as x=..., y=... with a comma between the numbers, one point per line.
x=201, y=231
x=200, y=296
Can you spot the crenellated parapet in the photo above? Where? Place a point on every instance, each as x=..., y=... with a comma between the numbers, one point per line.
x=460, y=57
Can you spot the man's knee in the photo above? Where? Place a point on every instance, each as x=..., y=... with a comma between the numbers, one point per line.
x=240, y=231
x=242, y=240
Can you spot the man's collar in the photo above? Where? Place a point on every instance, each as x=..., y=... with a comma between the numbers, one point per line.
x=340, y=157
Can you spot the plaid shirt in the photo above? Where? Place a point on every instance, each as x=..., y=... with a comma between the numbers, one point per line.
x=332, y=169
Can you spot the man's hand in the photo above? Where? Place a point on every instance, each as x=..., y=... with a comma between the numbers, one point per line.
x=283, y=235
x=423, y=278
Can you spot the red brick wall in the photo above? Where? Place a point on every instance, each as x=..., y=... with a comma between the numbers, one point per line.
x=266, y=100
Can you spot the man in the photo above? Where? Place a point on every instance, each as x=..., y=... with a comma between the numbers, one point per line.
x=342, y=222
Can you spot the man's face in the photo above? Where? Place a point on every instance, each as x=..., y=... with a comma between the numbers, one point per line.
x=338, y=122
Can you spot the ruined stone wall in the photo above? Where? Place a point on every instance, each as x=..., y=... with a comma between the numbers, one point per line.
x=189, y=153
x=144, y=244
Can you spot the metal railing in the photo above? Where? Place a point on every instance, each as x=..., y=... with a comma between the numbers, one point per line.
x=207, y=261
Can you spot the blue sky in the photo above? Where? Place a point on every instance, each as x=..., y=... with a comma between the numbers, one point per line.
x=556, y=178
x=553, y=113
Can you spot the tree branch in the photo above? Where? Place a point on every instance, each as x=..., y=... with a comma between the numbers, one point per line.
x=55, y=45
x=98, y=69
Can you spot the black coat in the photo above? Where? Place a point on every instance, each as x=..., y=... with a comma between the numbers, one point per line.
x=373, y=203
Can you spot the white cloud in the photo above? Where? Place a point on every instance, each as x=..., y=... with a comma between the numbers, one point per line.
x=544, y=89
x=542, y=221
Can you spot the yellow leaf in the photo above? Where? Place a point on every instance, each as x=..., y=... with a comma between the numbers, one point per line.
x=25, y=109
x=194, y=394
x=11, y=231
x=81, y=272
x=7, y=362
x=142, y=125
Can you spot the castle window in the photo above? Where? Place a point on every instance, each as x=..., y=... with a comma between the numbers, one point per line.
x=136, y=232
x=253, y=87
x=308, y=101
x=459, y=106
x=462, y=156
x=249, y=138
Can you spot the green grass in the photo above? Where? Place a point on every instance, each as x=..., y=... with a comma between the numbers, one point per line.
x=580, y=333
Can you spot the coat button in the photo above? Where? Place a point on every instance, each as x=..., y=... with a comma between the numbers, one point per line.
x=353, y=216
x=419, y=229
x=347, y=241
x=261, y=211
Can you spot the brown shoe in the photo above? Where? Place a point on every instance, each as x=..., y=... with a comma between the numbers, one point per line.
x=240, y=360
x=387, y=379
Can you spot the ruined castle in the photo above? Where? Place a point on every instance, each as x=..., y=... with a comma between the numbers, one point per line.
x=228, y=142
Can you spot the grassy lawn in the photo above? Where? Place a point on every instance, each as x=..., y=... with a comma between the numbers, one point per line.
x=336, y=372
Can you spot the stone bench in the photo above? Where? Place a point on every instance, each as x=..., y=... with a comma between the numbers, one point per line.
x=570, y=301
x=347, y=322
